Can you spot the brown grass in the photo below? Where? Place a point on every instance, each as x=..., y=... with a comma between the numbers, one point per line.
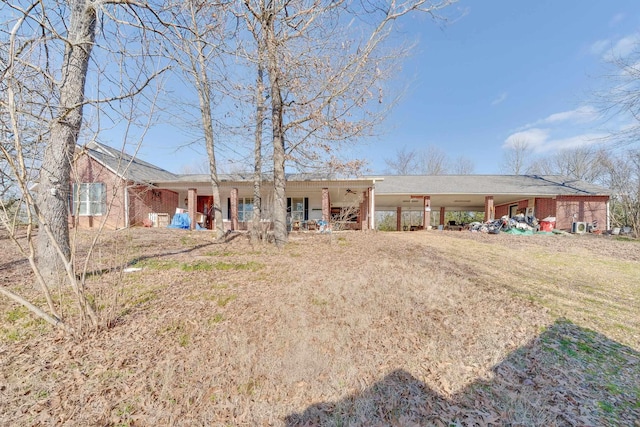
x=423, y=328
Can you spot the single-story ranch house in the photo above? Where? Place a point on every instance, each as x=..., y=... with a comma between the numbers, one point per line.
x=125, y=191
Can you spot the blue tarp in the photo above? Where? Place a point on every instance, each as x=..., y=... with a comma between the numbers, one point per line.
x=180, y=220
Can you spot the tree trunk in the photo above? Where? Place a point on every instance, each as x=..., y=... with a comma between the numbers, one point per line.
x=256, y=229
x=277, y=113
x=55, y=173
x=204, y=95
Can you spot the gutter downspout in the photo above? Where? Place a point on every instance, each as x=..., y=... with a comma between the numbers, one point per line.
x=126, y=206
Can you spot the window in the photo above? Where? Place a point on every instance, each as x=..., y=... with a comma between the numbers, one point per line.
x=298, y=208
x=89, y=199
x=245, y=209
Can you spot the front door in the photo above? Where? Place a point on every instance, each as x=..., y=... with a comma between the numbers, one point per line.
x=205, y=206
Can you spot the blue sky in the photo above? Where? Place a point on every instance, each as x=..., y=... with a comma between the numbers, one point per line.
x=498, y=71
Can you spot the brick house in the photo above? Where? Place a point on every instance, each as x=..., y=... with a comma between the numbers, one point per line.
x=122, y=191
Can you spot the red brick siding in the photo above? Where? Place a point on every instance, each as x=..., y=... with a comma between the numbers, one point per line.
x=545, y=208
x=88, y=170
x=502, y=210
x=144, y=200
x=581, y=208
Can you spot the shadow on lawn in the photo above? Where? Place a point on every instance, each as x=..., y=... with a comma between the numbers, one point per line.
x=228, y=237
x=567, y=376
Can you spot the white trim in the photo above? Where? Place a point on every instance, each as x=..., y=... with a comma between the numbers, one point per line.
x=372, y=210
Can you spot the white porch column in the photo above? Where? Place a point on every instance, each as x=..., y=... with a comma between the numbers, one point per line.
x=426, y=217
x=372, y=209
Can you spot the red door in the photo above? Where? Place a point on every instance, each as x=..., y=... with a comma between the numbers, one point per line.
x=205, y=205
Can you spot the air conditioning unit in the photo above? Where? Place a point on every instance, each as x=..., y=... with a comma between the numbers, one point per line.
x=579, y=227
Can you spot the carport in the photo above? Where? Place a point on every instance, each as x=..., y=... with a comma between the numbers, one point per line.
x=495, y=195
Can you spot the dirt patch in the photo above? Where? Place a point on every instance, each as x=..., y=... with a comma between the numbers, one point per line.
x=352, y=328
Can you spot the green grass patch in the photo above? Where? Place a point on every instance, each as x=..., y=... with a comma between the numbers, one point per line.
x=188, y=241
x=223, y=300
x=606, y=407
x=20, y=324
x=154, y=264
x=16, y=314
x=217, y=318
x=180, y=331
x=197, y=266
x=247, y=266
x=626, y=239
x=249, y=388
x=220, y=253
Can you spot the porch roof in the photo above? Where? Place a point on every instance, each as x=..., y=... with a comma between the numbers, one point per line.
x=467, y=192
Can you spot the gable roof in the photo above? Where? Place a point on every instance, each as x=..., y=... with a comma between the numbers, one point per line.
x=248, y=177
x=125, y=166
x=133, y=169
x=545, y=185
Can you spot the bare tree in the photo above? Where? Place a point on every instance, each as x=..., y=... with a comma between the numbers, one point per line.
x=434, y=161
x=621, y=98
x=517, y=157
x=623, y=177
x=323, y=76
x=584, y=163
x=198, y=33
x=256, y=229
x=462, y=166
x=55, y=173
x=53, y=42
x=405, y=162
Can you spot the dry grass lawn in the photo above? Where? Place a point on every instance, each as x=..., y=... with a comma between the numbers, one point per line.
x=349, y=329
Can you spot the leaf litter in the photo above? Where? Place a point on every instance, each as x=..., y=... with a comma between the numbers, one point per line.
x=352, y=328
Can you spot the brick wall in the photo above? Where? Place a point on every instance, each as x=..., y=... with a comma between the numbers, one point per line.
x=502, y=210
x=581, y=208
x=545, y=208
x=88, y=170
x=144, y=200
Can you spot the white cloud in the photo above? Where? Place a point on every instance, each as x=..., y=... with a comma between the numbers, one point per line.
x=610, y=49
x=540, y=141
x=616, y=19
x=600, y=46
x=576, y=141
x=584, y=114
x=580, y=115
x=534, y=137
x=623, y=47
x=503, y=96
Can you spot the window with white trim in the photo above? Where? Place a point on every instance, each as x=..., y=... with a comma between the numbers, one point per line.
x=89, y=199
x=297, y=208
x=245, y=209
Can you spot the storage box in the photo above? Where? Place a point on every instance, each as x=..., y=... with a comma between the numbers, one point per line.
x=164, y=219
x=160, y=219
x=547, y=225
